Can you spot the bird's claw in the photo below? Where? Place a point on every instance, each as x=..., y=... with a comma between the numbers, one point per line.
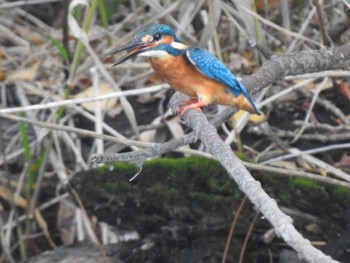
x=190, y=104
x=182, y=110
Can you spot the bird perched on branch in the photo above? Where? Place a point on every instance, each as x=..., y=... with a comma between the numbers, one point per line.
x=192, y=71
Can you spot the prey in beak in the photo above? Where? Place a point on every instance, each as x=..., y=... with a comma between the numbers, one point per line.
x=134, y=47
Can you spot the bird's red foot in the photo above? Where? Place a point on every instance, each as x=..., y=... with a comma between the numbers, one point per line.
x=184, y=104
x=190, y=104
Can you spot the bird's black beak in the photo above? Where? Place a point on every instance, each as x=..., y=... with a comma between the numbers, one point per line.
x=134, y=47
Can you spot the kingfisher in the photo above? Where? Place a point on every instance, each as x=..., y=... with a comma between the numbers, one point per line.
x=190, y=70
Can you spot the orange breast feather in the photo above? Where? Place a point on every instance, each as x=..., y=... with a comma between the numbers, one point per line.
x=184, y=77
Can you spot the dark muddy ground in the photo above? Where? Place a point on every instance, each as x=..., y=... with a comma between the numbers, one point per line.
x=182, y=210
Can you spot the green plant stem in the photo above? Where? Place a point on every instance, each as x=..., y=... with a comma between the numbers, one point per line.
x=258, y=30
x=22, y=246
x=25, y=140
x=104, y=18
x=86, y=26
x=28, y=157
x=61, y=109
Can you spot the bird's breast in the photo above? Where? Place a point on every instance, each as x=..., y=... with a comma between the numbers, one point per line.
x=183, y=76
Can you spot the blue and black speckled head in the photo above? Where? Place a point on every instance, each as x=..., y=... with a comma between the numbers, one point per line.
x=156, y=31
x=158, y=37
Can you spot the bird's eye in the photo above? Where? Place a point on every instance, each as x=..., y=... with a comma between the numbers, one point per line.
x=157, y=37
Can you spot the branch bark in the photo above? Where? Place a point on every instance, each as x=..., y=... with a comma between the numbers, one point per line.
x=282, y=223
x=297, y=63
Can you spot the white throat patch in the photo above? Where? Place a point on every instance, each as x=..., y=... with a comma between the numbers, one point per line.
x=154, y=54
x=178, y=45
x=162, y=53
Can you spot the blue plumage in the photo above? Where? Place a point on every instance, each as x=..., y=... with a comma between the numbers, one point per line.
x=213, y=68
x=154, y=29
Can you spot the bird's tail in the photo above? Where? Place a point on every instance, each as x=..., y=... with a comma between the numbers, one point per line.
x=251, y=107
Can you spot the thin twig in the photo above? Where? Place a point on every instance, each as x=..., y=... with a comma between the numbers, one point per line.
x=323, y=74
x=26, y=2
x=304, y=26
x=82, y=132
x=323, y=126
x=232, y=228
x=325, y=37
x=311, y=151
x=61, y=103
x=277, y=27
x=318, y=90
x=246, y=239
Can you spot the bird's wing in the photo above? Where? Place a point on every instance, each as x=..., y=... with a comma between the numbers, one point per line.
x=213, y=68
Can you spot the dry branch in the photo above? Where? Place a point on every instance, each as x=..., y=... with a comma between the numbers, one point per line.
x=268, y=207
x=297, y=63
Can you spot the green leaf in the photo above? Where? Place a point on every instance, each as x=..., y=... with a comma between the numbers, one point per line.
x=104, y=18
x=61, y=49
x=112, y=7
x=35, y=168
x=25, y=140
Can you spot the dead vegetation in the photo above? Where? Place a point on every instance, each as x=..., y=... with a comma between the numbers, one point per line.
x=293, y=57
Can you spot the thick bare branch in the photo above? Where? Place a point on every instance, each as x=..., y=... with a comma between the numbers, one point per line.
x=297, y=63
x=252, y=188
